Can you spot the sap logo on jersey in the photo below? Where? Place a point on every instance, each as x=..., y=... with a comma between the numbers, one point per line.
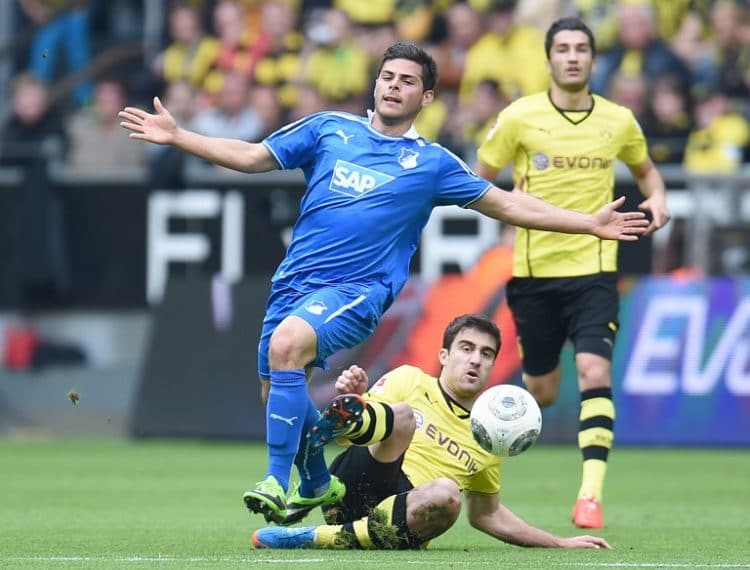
x=354, y=180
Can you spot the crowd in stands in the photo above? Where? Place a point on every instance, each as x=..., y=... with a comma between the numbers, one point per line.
x=242, y=68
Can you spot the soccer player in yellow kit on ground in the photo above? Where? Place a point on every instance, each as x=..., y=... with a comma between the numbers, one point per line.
x=565, y=143
x=414, y=455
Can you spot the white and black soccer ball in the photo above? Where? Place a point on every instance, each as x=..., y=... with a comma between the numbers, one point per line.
x=506, y=420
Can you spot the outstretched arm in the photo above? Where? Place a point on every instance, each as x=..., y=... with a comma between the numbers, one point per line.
x=487, y=514
x=522, y=209
x=161, y=128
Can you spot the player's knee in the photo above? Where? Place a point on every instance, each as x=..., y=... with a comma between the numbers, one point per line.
x=288, y=349
x=404, y=421
x=545, y=393
x=593, y=373
x=445, y=497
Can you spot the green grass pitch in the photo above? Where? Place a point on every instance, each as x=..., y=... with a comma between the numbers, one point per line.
x=177, y=504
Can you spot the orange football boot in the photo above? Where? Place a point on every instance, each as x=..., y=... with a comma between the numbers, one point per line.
x=587, y=513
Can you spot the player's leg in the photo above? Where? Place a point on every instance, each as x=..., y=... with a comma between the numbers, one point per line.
x=285, y=393
x=339, y=317
x=394, y=444
x=292, y=345
x=407, y=520
x=594, y=319
x=535, y=308
x=362, y=423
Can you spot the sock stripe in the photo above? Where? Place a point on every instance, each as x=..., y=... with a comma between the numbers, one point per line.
x=378, y=425
x=597, y=422
x=595, y=452
x=596, y=393
x=362, y=532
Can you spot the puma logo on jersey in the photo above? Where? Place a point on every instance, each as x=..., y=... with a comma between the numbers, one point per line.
x=289, y=421
x=344, y=136
x=354, y=180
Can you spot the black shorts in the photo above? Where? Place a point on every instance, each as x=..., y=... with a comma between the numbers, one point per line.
x=547, y=311
x=367, y=482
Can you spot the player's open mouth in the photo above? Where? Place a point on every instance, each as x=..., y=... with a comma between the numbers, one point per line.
x=391, y=99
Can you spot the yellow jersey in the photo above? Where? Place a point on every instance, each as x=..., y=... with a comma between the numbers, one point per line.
x=443, y=445
x=568, y=159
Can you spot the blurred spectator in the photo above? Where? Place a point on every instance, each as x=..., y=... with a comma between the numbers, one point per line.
x=630, y=91
x=463, y=30
x=467, y=127
x=668, y=121
x=96, y=140
x=415, y=20
x=233, y=116
x=233, y=50
x=731, y=49
x=720, y=138
x=337, y=67
x=278, y=52
x=367, y=12
x=638, y=51
x=265, y=101
x=33, y=135
x=190, y=53
x=166, y=163
x=539, y=14
x=61, y=27
x=508, y=53
x=308, y=102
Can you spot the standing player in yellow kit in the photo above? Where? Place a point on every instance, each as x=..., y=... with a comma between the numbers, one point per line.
x=565, y=143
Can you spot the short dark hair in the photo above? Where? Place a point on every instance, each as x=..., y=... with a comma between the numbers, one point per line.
x=574, y=24
x=477, y=321
x=412, y=52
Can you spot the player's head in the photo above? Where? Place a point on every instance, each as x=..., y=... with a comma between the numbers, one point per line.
x=470, y=347
x=570, y=48
x=412, y=52
x=405, y=83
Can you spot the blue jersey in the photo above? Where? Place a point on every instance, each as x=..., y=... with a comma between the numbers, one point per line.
x=369, y=195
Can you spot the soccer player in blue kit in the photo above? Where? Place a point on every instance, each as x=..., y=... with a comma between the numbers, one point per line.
x=372, y=183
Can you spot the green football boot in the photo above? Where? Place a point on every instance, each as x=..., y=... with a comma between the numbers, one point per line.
x=298, y=507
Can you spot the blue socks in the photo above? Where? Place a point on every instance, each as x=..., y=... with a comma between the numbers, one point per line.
x=286, y=413
x=313, y=472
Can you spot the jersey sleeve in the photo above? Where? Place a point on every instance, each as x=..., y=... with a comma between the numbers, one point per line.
x=295, y=144
x=456, y=183
x=394, y=386
x=634, y=151
x=499, y=148
x=486, y=481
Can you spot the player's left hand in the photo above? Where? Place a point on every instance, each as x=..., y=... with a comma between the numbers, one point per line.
x=585, y=541
x=656, y=206
x=623, y=226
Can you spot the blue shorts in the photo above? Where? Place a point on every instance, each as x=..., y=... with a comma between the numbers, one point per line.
x=342, y=316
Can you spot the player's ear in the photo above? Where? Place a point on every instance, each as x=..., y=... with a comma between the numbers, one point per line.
x=443, y=356
x=427, y=97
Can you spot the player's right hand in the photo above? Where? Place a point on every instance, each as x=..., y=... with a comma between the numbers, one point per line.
x=353, y=380
x=159, y=128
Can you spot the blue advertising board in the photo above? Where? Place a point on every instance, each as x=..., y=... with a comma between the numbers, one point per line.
x=682, y=364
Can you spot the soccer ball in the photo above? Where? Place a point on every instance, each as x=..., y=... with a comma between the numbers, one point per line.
x=506, y=420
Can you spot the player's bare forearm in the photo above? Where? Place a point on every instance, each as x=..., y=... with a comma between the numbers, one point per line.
x=651, y=185
x=230, y=153
x=521, y=209
x=487, y=514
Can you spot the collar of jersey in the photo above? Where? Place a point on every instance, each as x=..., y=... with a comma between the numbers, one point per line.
x=458, y=410
x=410, y=134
